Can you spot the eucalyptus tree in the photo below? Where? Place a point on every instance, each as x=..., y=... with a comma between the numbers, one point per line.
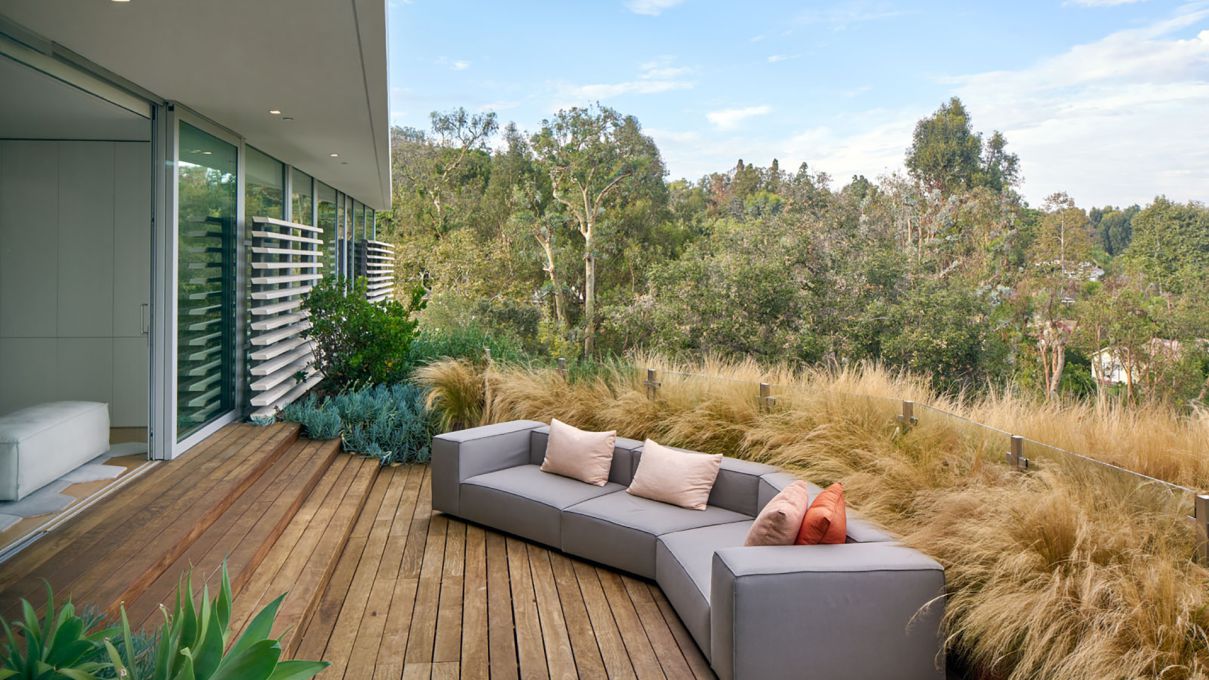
x=597, y=160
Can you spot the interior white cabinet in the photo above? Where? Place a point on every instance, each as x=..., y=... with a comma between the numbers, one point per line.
x=75, y=258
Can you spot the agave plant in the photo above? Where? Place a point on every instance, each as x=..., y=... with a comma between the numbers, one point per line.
x=193, y=644
x=193, y=638
x=62, y=645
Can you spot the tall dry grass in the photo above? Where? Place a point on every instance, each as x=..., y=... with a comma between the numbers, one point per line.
x=1069, y=572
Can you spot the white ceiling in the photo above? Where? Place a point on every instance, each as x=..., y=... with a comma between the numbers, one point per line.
x=37, y=106
x=323, y=62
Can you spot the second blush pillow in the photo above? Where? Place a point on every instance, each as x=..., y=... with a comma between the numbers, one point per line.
x=681, y=478
x=779, y=522
x=579, y=454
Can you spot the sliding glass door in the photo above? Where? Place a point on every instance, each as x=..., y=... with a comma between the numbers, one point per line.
x=207, y=212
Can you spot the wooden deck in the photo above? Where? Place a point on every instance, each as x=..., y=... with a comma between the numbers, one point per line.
x=377, y=583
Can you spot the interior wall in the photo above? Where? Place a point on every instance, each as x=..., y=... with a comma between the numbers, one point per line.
x=75, y=243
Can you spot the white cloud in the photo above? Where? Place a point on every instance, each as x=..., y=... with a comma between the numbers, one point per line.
x=729, y=119
x=654, y=77
x=777, y=58
x=651, y=8
x=1117, y=120
x=460, y=65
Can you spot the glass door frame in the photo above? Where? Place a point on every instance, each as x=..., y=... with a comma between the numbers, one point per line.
x=166, y=243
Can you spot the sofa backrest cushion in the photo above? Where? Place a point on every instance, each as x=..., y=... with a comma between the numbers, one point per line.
x=620, y=472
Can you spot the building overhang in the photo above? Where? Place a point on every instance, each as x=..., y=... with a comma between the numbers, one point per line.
x=321, y=63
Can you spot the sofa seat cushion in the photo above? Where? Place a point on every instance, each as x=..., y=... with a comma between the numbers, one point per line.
x=619, y=529
x=525, y=501
x=41, y=443
x=683, y=568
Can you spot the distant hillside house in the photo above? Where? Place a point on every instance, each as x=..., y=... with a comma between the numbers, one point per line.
x=1116, y=366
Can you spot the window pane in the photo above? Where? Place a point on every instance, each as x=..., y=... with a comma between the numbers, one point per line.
x=205, y=320
x=341, y=237
x=327, y=222
x=302, y=209
x=265, y=186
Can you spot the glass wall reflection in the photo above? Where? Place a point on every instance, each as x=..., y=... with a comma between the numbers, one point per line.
x=207, y=202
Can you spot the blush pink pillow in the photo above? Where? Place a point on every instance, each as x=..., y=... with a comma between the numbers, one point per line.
x=579, y=454
x=778, y=523
x=678, y=477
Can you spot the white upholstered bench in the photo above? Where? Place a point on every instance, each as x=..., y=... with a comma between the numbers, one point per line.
x=41, y=443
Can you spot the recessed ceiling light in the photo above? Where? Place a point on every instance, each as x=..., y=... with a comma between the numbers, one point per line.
x=121, y=0
x=275, y=112
x=334, y=155
x=287, y=118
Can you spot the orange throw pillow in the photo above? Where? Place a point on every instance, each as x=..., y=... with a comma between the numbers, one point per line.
x=826, y=520
x=779, y=522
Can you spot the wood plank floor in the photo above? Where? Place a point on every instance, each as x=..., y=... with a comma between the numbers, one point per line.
x=423, y=595
x=116, y=550
x=374, y=581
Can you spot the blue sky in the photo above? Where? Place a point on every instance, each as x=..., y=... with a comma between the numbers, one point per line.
x=1107, y=100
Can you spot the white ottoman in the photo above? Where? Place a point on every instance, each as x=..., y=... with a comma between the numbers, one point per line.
x=41, y=443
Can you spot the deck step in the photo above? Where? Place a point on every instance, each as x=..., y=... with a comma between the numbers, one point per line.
x=303, y=558
x=245, y=533
x=122, y=546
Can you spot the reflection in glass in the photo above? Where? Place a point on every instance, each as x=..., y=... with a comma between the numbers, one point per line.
x=302, y=208
x=264, y=186
x=207, y=193
x=327, y=222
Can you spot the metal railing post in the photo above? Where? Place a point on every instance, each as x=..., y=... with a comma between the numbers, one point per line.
x=652, y=385
x=1015, y=455
x=907, y=419
x=562, y=367
x=1201, y=516
x=766, y=398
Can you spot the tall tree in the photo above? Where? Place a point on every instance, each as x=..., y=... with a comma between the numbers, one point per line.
x=1170, y=243
x=597, y=159
x=434, y=161
x=945, y=153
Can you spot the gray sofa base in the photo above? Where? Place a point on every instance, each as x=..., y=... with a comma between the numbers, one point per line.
x=871, y=608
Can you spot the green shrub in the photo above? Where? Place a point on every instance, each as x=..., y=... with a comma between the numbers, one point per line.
x=463, y=342
x=358, y=342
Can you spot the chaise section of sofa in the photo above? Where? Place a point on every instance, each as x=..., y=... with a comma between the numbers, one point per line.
x=868, y=609
x=857, y=610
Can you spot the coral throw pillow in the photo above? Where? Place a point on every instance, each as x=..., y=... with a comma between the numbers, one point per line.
x=826, y=520
x=579, y=454
x=678, y=477
x=781, y=520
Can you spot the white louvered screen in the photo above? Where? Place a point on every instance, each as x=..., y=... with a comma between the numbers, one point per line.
x=287, y=261
x=376, y=262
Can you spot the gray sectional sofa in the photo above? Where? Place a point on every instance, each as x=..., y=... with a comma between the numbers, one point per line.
x=868, y=609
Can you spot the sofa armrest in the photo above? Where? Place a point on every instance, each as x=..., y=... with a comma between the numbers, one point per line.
x=857, y=610
x=458, y=456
